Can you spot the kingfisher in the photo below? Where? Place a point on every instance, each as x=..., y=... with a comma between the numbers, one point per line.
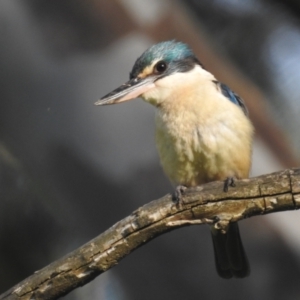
x=203, y=132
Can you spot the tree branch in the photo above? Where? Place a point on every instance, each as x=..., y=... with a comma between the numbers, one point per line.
x=201, y=205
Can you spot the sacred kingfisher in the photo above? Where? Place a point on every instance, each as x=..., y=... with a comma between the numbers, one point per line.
x=203, y=132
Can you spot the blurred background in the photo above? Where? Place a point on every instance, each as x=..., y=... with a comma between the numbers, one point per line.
x=70, y=170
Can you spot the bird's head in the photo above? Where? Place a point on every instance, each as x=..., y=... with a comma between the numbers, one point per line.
x=150, y=71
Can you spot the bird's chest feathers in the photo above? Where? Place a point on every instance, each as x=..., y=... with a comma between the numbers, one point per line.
x=184, y=146
x=201, y=136
x=196, y=142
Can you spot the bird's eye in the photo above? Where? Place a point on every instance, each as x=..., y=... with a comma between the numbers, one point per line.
x=160, y=67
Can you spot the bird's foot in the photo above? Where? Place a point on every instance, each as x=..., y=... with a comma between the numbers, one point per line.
x=229, y=181
x=221, y=222
x=179, y=191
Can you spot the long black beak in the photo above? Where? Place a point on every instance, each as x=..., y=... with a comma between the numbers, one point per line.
x=128, y=91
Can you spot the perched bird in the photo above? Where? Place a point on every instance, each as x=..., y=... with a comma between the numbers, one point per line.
x=203, y=133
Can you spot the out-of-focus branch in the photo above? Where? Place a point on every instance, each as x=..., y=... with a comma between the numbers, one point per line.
x=201, y=205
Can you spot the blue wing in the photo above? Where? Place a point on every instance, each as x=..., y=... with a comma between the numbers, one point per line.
x=232, y=96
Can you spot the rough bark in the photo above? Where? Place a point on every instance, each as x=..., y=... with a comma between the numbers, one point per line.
x=206, y=204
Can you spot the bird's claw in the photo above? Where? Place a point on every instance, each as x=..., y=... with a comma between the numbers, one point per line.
x=178, y=194
x=221, y=222
x=229, y=181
